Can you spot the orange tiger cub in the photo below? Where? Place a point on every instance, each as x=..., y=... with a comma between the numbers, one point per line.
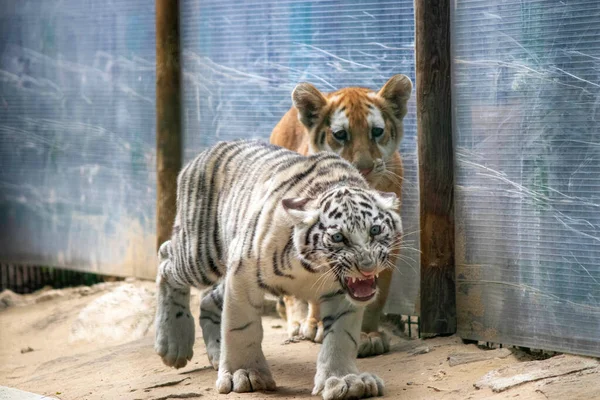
x=364, y=127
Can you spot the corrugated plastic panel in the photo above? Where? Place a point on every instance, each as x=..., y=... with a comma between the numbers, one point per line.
x=77, y=135
x=527, y=132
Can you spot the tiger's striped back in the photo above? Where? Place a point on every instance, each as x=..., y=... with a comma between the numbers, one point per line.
x=227, y=198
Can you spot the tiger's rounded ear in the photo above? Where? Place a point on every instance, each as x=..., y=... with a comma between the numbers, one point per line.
x=296, y=208
x=387, y=200
x=309, y=102
x=396, y=92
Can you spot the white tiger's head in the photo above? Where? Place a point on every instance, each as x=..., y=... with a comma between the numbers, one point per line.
x=350, y=233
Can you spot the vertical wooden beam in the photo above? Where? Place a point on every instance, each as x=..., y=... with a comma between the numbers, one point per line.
x=436, y=166
x=168, y=115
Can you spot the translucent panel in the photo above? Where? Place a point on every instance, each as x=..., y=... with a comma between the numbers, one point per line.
x=241, y=61
x=77, y=181
x=527, y=112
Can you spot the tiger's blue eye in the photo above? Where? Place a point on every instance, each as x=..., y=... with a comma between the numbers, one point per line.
x=337, y=237
x=342, y=135
x=375, y=230
x=376, y=132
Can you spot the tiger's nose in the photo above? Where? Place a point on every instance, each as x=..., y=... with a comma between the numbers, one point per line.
x=364, y=166
x=367, y=266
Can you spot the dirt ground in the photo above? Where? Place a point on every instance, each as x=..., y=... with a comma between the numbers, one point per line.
x=96, y=343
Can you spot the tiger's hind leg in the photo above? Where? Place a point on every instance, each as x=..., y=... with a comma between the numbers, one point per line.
x=174, y=340
x=211, y=308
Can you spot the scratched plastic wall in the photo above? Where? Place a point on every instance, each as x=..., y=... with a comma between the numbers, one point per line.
x=77, y=135
x=527, y=131
x=241, y=61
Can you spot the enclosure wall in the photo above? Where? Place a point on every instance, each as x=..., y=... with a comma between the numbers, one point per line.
x=77, y=158
x=526, y=80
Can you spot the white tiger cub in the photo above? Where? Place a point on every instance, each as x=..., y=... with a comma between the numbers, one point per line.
x=262, y=218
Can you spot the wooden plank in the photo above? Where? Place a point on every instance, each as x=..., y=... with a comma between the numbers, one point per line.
x=579, y=386
x=168, y=115
x=482, y=355
x=436, y=167
x=513, y=375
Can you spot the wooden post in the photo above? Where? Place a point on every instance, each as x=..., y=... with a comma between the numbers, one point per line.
x=168, y=116
x=436, y=169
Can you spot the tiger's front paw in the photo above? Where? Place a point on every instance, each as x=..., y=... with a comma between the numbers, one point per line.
x=312, y=329
x=351, y=386
x=293, y=329
x=373, y=344
x=244, y=380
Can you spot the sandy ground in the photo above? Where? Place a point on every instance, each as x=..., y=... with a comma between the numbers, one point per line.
x=96, y=343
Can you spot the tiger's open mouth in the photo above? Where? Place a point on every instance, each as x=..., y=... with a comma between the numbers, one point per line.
x=361, y=289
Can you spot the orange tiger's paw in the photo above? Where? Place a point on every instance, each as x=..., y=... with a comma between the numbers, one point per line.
x=373, y=344
x=309, y=329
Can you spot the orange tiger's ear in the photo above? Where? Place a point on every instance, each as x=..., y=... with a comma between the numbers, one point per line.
x=396, y=92
x=309, y=102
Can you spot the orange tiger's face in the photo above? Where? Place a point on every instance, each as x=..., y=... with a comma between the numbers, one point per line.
x=363, y=126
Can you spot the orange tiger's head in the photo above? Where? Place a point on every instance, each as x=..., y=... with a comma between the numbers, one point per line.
x=361, y=125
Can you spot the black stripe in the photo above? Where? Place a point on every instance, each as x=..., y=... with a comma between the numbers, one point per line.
x=308, y=232
x=332, y=213
x=241, y=328
x=183, y=200
x=214, y=315
x=307, y=267
x=314, y=190
x=216, y=299
x=290, y=163
x=351, y=338
x=316, y=159
x=206, y=318
x=329, y=321
x=271, y=289
x=198, y=180
x=389, y=224
x=363, y=196
x=244, y=195
x=276, y=267
x=330, y=296
x=286, y=253
x=206, y=216
x=238, y=269
x=315, y=239
x=238, y=182
x=391, y=219
x=217, y=229
x=252, y=234
x=366, y=205
x=290, y=182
